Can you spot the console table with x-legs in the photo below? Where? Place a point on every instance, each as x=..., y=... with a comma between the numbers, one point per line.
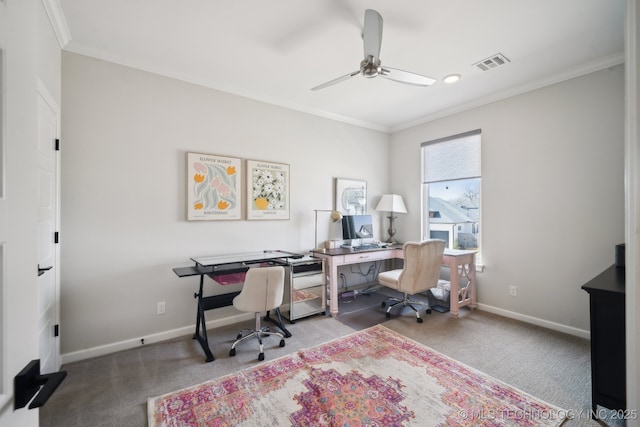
x=461, y=264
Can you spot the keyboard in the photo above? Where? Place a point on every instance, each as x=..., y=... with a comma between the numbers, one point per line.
x=366, y=246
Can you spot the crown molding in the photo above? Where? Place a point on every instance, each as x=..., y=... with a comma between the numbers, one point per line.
x=588, y=68
x=58, y=21
x=591, y=67
x=253, y=96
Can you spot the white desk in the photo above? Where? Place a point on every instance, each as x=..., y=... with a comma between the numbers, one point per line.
x=460, y=263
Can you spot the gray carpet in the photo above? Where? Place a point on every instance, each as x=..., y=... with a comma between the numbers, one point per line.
x=112, y=390
x=366, y=310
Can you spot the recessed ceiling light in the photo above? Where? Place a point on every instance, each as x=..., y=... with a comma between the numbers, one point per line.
x=451, y=78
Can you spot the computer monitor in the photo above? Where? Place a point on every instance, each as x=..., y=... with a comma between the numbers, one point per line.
x=358, y=228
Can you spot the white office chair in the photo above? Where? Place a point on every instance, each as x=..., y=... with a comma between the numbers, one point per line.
x=422, y=263
x=262, y=291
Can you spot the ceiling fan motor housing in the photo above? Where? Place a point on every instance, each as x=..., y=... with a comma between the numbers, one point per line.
x=370, y=67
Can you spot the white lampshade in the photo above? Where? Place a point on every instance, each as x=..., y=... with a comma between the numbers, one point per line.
x=391, y=203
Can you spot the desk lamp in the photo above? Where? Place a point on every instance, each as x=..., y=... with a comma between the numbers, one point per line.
x=335, y=217
x=391, y=203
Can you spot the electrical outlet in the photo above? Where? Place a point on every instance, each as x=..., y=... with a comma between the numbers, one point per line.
x=513, y=291
x=162, y=307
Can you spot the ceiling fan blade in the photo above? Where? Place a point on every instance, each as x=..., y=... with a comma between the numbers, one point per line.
x=406, y=77
x=335, y=81
x=372, y=33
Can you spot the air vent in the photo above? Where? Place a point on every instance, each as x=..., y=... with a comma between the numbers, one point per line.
x=492, y=62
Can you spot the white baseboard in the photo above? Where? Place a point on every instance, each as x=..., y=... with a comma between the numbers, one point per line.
x=229, y=320
x=149, y=339
x=536, y=321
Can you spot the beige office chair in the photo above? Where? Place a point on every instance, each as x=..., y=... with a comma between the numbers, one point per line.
x=422, y=262
x=262, y=291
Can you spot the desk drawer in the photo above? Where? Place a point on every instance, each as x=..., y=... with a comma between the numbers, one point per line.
x=307, y=268
x=304, y=289
x=365, y=257
x=307, y=281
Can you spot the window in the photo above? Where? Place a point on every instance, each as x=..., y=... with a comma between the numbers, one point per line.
x=451, y=190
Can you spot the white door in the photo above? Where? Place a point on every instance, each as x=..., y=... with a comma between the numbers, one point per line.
x=48, y=268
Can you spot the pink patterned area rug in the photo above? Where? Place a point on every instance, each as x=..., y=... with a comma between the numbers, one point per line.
x=374, y=377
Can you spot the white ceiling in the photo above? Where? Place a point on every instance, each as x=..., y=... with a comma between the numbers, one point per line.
x=276, y=50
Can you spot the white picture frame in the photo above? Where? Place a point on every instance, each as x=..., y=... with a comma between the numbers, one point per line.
x=214, y=186
x=351, y=196
x=267, y=190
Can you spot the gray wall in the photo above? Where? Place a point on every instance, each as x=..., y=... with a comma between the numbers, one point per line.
x=552, y=172
x=552, y=193
x=125, y=137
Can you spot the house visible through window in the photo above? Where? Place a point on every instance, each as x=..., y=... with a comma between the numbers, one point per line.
x=451, y=178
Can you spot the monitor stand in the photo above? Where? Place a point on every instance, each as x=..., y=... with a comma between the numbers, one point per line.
x=349, y=244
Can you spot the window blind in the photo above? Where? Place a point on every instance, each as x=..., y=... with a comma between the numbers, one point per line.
x=450, y=158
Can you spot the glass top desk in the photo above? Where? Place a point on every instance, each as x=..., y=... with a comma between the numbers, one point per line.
x=461, y=263
x=221, y=262
x=221, y=266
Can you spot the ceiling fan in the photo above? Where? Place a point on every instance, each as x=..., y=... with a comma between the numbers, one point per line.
x=371, y=66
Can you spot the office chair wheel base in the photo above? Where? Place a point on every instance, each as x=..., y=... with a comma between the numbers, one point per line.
x=428, y=311
x=388, y=315
x=282, y=343
x=232, y=352
x=384, y=304
x=261, y=357
x=419, y=319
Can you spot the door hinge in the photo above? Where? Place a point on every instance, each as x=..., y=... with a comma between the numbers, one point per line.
x=56, y=237
x=42, y=270
x=57, y=144
x=56, y=330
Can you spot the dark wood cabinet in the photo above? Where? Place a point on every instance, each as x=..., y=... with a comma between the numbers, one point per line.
x=607, y=314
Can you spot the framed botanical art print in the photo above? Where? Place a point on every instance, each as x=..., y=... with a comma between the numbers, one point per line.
x=213, y=187
x=267, y=190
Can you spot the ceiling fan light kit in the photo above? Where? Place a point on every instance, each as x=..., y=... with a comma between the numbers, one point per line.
x=371, y=66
